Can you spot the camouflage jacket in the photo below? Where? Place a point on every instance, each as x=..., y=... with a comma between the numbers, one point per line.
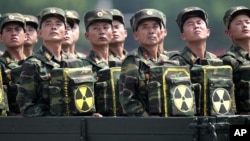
x=33, y=92
x=134, y=79
x=93, y=61
x=115, y=58
x=10, y=73
x=186, y=57
x=236, y=57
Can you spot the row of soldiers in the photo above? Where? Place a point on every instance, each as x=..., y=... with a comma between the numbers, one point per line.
x=56, y=80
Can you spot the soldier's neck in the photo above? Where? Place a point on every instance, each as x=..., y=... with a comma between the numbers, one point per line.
x=153, y=50
x=244, y=44
x=16, y=53
x=28, y=50
x=55, y=48
x=198, y=48
x=117, y=49
x=102, y=52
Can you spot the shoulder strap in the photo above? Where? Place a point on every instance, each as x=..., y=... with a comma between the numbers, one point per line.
x=239, y=59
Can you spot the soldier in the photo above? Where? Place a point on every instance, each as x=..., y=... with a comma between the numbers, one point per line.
x=134, y=78
x=32, y=35
x=237, y=24
x=98, y=24
x=35, y=93
x=116, y=47
x=12, y=35
x=205, y=68
x=99, y=32
x=193, y=22
x=72, y=36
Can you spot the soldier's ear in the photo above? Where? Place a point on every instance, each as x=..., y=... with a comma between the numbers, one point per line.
x=136, y=36
x=164, y=32
x=1, y=38
x=39, y=32
x=208, y=32
x=183, y=37
x=228, y=33
x=86, y=35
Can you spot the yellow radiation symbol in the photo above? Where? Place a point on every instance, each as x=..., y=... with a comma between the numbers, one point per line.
x=183, y=98
x=84, y=99
x=1, y=95
x=221, y=101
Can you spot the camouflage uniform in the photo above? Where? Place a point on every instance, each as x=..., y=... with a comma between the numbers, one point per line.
x=33, y=93
x=134, y=76
x=10, y=68
x=186, y=57
x=238, y=58
x=92, y=60
x=117, y=15
x=73, y=18
x=101, y=69
x=117, y=59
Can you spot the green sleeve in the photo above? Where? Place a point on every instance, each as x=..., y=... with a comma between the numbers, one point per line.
x=29, y=91
x=129, y=97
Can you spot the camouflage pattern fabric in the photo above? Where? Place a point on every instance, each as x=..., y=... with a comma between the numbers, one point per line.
x=107, y=92
x=4, y=107
x=93, y=61
x=239, y=60
x=34, y=92
x=105, y=74
x=71, y=91
x=217, y=92
x=134, y=79
x=186, y=57
x=170, y=91
x=114, y=60
x=11, y=72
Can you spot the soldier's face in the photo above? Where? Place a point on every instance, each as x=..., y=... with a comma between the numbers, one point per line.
x=239, y=28
x=52, y=29
x=119, y=32
x=32, y=36
x=13, y=35
x=68, y=40
x=99, y=33
x=148, y=33
x=195, y=29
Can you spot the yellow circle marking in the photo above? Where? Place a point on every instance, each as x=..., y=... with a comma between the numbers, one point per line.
x=221, y=100
x=183, y=98
x=84, y=99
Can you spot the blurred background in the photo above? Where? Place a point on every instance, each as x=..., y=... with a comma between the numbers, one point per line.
x=217, y=42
